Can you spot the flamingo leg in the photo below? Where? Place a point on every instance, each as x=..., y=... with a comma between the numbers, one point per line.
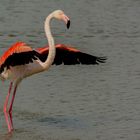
x=11, y=106
x=5, y=107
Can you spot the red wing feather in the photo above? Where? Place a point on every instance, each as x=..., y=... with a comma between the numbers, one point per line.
x=15, y=48
x=58, y=46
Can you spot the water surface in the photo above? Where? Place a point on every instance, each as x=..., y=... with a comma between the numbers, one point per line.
x=76, y=102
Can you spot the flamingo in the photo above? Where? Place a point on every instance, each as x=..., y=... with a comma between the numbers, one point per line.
x=21, y=61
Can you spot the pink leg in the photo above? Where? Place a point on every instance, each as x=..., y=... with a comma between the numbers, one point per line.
x=5, y=107
x=11, y=106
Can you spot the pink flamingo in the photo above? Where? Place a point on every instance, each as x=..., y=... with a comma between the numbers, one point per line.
x=21, y=61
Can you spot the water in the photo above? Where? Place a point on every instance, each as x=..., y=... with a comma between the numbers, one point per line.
x=76, y=102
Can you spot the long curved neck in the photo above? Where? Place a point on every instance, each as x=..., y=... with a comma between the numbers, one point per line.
x=52, y=49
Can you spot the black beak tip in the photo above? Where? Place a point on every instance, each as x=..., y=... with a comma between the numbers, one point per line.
x=68, y=24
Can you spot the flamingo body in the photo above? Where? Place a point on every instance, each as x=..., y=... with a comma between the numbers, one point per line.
x=17, y=61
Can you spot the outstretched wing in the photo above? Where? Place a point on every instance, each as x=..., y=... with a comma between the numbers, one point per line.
x=68, y=55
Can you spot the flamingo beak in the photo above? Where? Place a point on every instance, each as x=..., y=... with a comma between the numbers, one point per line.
x=66, y=20
x=68, y=24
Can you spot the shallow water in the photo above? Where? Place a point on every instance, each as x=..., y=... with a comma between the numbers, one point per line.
x=76, y=102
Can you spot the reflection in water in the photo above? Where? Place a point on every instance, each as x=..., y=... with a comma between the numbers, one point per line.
x=61, y=122
x=7, y=136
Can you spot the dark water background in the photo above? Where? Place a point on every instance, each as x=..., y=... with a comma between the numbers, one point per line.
x=76, y=102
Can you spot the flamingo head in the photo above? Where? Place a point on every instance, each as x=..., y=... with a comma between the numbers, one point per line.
x=60, y=15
